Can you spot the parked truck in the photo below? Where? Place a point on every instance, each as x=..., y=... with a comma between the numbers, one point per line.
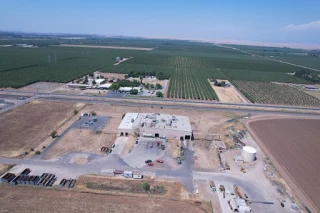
x=212, y=186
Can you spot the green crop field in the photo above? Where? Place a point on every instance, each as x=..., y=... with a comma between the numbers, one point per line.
x=295, y=56
x=189, y=64
x=22, y=66
x=271, y=93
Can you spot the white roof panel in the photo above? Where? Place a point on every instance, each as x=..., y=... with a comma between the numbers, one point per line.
x=126, y=122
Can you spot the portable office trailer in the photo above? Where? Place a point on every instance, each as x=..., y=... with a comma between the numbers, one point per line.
x=127, y=174
x=137, y=175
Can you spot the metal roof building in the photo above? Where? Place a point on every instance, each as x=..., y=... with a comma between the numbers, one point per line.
x=156, y=125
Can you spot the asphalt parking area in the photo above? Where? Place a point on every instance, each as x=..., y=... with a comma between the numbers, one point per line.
x=146, y=149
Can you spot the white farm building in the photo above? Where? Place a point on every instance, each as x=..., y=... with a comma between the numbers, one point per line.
x=155, y=125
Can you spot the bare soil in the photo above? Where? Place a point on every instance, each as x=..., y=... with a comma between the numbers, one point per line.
x=106, y=47
x=175, y=148
x=129, y=145
x=109, y=75
x=226, y=94
x=14, y=199
x=81, y=141
x=292, y=144
x=123, y=186
x=205, y=155
x=27, y=126
x=40, y=87
x=4, y=168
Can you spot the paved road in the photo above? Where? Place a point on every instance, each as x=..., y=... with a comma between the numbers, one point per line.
x=61, y=97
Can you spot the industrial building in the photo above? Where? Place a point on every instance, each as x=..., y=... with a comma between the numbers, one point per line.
x=155, y=125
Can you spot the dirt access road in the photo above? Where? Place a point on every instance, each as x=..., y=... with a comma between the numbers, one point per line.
x=14, y=199
x=292, y=144
x=106, y=47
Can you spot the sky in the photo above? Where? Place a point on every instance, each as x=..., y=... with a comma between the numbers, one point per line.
x=256, y=21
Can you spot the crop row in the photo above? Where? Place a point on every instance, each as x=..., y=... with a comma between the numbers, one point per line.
x=271, y=93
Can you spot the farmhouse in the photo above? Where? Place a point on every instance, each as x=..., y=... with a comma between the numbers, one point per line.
x=155, y=125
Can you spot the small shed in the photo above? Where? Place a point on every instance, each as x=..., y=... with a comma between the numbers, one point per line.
x=137, y=175
x=127, y=174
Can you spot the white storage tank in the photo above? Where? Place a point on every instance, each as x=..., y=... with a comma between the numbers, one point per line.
x=249, y=154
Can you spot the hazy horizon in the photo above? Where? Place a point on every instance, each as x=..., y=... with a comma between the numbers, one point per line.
x=292, y=24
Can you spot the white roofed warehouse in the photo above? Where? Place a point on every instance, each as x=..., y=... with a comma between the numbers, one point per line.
x=155, y=125
x=126, y=126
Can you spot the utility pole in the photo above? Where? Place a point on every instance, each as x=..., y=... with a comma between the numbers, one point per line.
x=49, y=59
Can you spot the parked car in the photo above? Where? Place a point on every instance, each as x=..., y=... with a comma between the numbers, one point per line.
x=91, y=123
x=129, y=151
x=110, y=150
x=179, y=161
x=113, y=145
x=159, y=161
x=95, y=119
x=148, y=161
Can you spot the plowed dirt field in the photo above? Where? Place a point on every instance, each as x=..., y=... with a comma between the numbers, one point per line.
x=293, y=145
x=33, y=199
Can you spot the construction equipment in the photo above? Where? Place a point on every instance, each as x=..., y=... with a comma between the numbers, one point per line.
x=238, y=192
x=243, y=170
x=162, y=146
x=227, y=166
x=221, y=187
x=212, y=186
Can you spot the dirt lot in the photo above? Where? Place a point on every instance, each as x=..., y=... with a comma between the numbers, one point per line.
x=40, y=199
x=123, y=186
x=153, y=81
x=205, y=155
x=129, y=145
x=81, y=141
x=106, y=47
x=27, y=126
x=4, y=168
x=40, y=87
x=109, y=75
x=292, y=146
x=227, y=94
